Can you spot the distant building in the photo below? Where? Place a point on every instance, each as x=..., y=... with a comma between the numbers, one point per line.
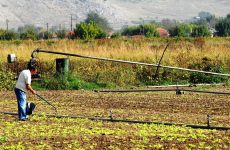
x=163, y=32
x=212, y=31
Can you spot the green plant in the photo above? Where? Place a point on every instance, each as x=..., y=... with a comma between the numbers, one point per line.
x=7, y=81
x=89, y=31
x=3, y=139
x=64, y=82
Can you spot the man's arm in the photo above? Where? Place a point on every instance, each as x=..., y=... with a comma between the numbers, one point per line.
x=28, y=86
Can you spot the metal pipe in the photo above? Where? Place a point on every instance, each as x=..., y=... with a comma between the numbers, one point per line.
x=162, y=90
x=125, y=61
x=210, y=92
x=130, y=121
x=141, y=90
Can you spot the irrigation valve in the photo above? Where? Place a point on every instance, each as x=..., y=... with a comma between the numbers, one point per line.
x=11, y=58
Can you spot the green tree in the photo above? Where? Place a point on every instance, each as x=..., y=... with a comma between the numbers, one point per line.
x=182, y=30
x=88, y=31
x=99, y=21
x=200, y=31
x=8, y=35
x=129, y=31
x=223, y=27
x=28, y=32
x=148, y=30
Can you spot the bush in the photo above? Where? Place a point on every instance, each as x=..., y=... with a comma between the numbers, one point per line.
x=7, y=81
x=64, y=82
x=206, y=65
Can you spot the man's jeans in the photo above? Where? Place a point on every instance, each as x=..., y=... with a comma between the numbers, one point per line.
x=21, y=99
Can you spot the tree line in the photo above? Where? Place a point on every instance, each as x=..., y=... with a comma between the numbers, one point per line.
x=96, y=27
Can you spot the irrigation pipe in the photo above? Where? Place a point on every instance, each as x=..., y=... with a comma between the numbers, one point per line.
x=130, y=121
x=162, y=90
x=125, y=61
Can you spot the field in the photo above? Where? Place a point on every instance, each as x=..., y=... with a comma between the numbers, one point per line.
x=42, y=132
x=84, y=132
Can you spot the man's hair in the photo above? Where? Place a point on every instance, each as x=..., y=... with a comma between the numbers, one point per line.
x=32, y=65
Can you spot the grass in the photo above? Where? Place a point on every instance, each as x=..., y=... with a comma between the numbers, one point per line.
x=195, y=53
x=180, y=53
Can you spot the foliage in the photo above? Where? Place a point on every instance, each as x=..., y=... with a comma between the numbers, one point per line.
x=148, y=30
x=28, y=32
x=89, y=31
x=116, y=35
x=47, y=35
x=206, y=18
x=168, y=24
x=206, y=65
x=223, y=27
x=65, y=81
x=8, y=35
x=99, y=21
x=7, y=81
x=133, y=30
x=200, y=31
x=181, y=30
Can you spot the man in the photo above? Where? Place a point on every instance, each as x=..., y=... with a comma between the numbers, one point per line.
x=22, y=86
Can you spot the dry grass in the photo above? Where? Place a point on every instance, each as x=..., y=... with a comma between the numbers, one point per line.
x=179, y=53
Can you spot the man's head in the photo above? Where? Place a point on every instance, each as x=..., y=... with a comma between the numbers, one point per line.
x=32, y=66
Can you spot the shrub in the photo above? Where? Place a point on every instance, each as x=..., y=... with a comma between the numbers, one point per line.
x=7, y=81
x=206, y=65
x=64, y=82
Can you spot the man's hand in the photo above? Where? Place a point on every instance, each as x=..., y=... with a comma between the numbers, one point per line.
x=28, y=86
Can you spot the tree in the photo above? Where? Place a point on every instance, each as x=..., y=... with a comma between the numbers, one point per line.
x=8, y=35
x=182, y=30
x=148, y=30
x=88, y=31
x=223, y=27
x=200, y=31
x=28, y=32
x=99, y=21
x=168, y=24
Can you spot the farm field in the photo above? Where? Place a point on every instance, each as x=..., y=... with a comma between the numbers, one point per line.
x=42, y=132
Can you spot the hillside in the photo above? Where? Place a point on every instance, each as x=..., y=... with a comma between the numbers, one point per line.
x=118, y=12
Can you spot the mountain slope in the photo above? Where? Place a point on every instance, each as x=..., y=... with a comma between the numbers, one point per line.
x=118, y=12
